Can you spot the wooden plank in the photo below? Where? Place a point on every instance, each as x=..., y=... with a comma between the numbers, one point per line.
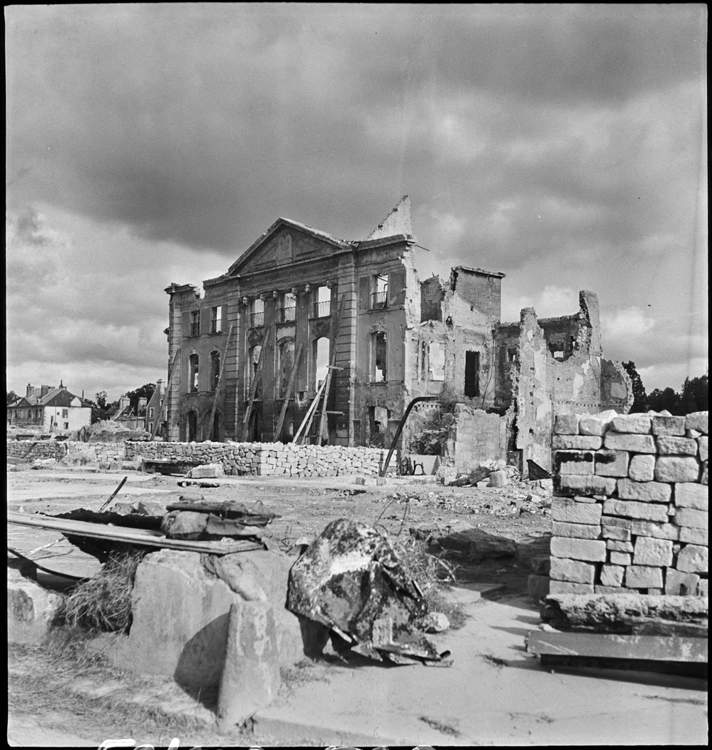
x=310, y=413
x=608, y=646
x=165, y=396
x=223, y=363
x=322, y=420
x=288, y=394
x=253, y=393
x=143, y=537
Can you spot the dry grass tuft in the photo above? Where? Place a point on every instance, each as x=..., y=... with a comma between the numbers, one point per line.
x=103, y=603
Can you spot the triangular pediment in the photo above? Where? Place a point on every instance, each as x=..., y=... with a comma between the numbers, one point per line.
x=285, y=242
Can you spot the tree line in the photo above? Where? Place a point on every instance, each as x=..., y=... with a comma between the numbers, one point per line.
x=694, y=395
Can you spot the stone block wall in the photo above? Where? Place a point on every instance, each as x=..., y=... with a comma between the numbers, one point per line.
x=631, y=504
x=273, y=459
x=32, y=449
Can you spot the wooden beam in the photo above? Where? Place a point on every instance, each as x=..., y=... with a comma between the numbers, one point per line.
x=288, y=394
x=139, y=537
x=223, y=362
x=165, y=395
x=253, y=393
x=322, y=421
x=306, y=422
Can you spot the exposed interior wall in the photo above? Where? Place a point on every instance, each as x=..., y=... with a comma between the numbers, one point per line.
x=475, y=437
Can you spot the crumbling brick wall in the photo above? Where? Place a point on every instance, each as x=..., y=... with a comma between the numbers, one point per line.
x=630, y=510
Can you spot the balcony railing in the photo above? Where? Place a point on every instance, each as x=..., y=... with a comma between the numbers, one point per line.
x=287, y=314
x=379, y=300
x=322, y=309
x=257, y=319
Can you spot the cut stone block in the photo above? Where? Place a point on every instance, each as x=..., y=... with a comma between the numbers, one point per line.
x=693, y=559
x=640, y=424
x=593, y=424
x=617, y=441
x=567, y=587
x=570, y=511
x=656, y=530
x=698, y=420
x=612, y=575
x=616, y=533
x=620, y=558
x=642, y=468
x=642, y=577
x=633, y=509
x=624, y=523
x=576, y=442
x=582, y=484
x=676, y=446
x=691, y=495
x=611, y=463
x=678, y=583
x=207, y=471
x=703, y=447
x=571, y=570
x=668, y=425
x=703, y=473
x=648, y=492
x=655, y=552
x=573, y=462
x=608, y=590
x=538, y=587
x=677, y=469
x=696, y=519
x=566, y=424
x=575, y=530
x=703, y=588
x=694, y=536
x=617, y=546
x=578, y=549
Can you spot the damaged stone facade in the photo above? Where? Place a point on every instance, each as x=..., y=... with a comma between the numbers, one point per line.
x=299, y=295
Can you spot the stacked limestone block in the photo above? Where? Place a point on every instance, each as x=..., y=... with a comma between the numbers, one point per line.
x=273, y=459
x=630, y=512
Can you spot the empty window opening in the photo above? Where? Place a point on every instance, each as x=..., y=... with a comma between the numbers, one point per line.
x=216, y=319
x=215, y=433
x=322, y=302
x=288, y=310
x=379, y=357
x=195, y=323
x=378, y=426
x=321, y=359
x=379, y=292
x=472, y=374
x=214, y=370
x=194, y=369
x=257, y=313
x=436, y=361
x=192, y=426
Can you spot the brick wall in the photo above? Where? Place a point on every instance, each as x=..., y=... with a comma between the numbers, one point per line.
x=631, y=504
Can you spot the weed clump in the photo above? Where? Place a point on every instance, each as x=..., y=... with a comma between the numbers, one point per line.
x=103, y=603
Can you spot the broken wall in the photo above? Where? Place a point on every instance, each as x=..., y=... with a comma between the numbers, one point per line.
x=631, y=505
x=475, y=437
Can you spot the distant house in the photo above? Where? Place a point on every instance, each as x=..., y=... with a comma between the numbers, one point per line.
x=128, y=417
x=49, y=409
x=155, y=412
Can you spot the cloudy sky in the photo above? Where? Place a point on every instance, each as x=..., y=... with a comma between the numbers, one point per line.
x=563, y=145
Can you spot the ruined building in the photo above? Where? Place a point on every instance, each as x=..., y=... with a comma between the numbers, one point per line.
x=247, y=353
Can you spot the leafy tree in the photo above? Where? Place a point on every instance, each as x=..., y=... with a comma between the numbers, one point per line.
x=145, y=391
x=665, y=400
x=695, y=395
x=11, y=396
x=101, y=408
x=640, y=398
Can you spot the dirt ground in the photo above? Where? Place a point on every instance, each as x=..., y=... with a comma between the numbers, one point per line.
x=69, y=697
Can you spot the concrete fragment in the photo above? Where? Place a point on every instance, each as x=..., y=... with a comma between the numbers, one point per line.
x=693, y=559
x=677, y=469
x=642, y=468
x=678, y=583
x=676, y=446
x=498, y=479
x=649, y=551
x=691, y=495
x=576, y=442
x=571, y=570
x=250, y=678
x=583, y=484
x=642, y=577
x=578, y=549
x=612, y=463
x=629, y=442
x=436, y=622
x=30, y=609
x=668, y=425
x=698, y=420
x=640, y=424
x=696, y=519
x=633, y=509
x=575, y=530
x=648, y=492
x=656, y=530
x=570, y=511
x=612, y=575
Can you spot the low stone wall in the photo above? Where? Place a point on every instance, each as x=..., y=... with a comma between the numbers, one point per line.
x=269, y=459
x=32, y=449
x=631, y=505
